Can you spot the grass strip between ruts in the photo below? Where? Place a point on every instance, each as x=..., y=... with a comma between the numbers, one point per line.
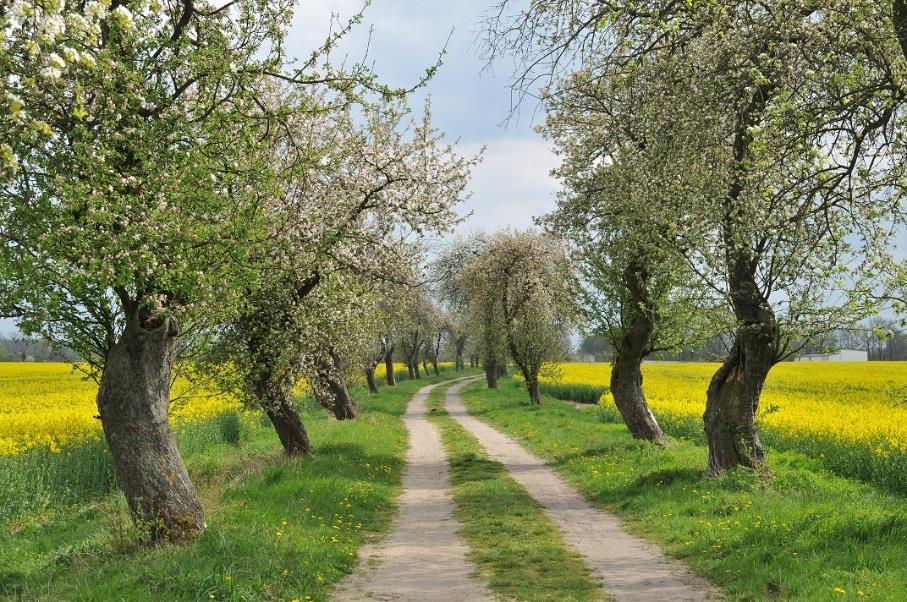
x=514, y=545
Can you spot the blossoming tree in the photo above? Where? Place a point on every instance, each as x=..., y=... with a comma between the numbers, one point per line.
x=136, y=146
x=376, y=187
x=520, y=290
x=626, y=183
x=805, y=103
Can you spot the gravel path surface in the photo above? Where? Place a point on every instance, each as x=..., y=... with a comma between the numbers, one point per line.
x=423, y=557
x=631, y=568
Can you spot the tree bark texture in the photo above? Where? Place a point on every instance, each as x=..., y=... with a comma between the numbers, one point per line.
x=640, y=317
x=626, y=388
x=389, y=367
x=336, y=397
x=370, y=379
x=535, y=395
x=133, y=403
x=732, y=400
x=491, y=374
x=290, y=429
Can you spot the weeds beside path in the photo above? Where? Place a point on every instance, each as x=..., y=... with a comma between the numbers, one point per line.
x=801, y=534
x=277, y=528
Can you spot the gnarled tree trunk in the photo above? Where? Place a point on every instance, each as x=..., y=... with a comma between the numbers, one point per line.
x=389, y=367
x=370, y=379
x=639, y=318
x=335, y=397
x=290, y=429
x=410, y=371
x=733, y=396
x=133, y=403
x=535, y=396
x=416, y=368
x=626, y=388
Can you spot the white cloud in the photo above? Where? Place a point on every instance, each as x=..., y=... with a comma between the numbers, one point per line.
x=511, y=185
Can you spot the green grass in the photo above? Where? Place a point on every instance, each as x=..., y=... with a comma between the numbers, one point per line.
x=39, y=479
x=516, y=547
x=796, y=535
x=278, y=529
x=573, y=391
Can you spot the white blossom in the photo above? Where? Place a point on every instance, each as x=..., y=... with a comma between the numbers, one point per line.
x=123, y=17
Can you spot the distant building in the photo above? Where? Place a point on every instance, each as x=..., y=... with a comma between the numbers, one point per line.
x=844, y=355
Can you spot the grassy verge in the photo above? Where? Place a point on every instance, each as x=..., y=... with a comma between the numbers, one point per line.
x=278, y=529
x=515, y=546
x=801, y=534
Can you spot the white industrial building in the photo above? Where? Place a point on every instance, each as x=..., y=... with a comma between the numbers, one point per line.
x=844, y=355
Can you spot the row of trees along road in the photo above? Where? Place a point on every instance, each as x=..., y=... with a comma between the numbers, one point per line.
x=174, y=187
x=730, y=154
x=517, y=290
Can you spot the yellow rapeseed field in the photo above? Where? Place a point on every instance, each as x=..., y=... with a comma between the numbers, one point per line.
x=53, y=405
x=850, y=402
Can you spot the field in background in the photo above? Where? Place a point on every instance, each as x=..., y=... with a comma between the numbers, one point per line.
x=852, y=417
x=52, y=405
x=52, y=447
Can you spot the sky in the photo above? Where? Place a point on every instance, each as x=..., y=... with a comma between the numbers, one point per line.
x=470, y=100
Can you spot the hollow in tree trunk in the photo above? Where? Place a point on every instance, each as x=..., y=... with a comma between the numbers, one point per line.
x=133, y=402
x=370, y=379
x=626, y=388
x=389, y=368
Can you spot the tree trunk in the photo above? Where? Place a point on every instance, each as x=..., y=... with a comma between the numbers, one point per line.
x=535, y=396
x=416, y=369
x=639, y=318
x=389, y=368
x=733, y=395
x=434, y=366
x=290, y=429
x=370, y=379
x=502, y=369
x=410, y=370
x=626, y=388
x=491, y=374
x=337, y=398
x=425, y=366
x=133, y=403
